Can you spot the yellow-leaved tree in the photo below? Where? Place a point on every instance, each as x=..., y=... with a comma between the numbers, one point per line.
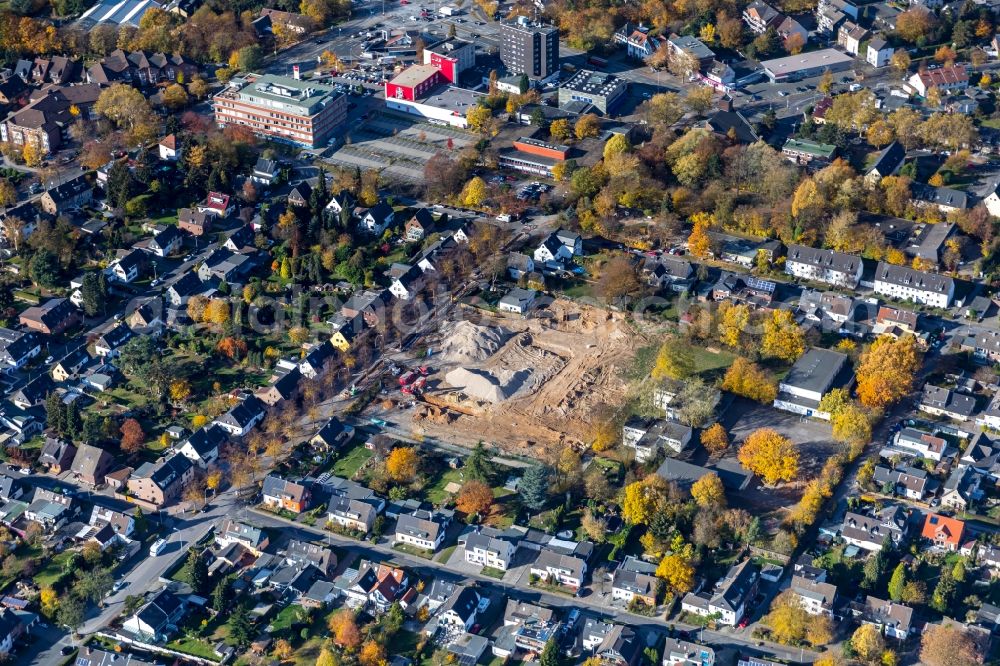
x=678, y=573
x=673, y=361
x=709, y=492
x=642, y=499
x=715, y=439
x=747, y=379
x=770, y=455
x=887, y=370
x=783, y=338
x=402, y=464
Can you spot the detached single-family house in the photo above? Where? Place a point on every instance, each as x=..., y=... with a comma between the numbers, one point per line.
x=870, y=532
x=731, y=596
x=194, y=222
x=352, y=514
x=279, y=493
x=894, y=619
x=376, y=219
x=165, y=242
x=554, y=566
x=422, y=529
x=242, y=417
x=169, y=148
x=816, y=597
x=160, y=483
x=110, y=344
x=940, y=401
x=202, y=447
x=158, y=619
x=907, y=481
x=489, y=551
x=91, y=464
x=517, y=301
x=943, y=532
x=635, y=580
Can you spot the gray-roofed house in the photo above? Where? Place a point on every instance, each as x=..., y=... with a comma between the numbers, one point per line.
x=907, y=481
x=317, y=555
x=648, y=437
x=905, y=283
x=422, y=529
x=836, y=268
x=946, y=199
x=887, y=163
x=678, y=652
x=961, y=488
x=162, y=482
x=460, y=609
x=351, y=514
x=494, y=552
x=242, y=417
x=91, y=464
x=202, y=447
x=158, y=619
x=815, y=597
x=813, y=375
x=249, y=536
x=635, y=580
x=517, y=301
x=869, y=532
x=731, y=596
x=560, y=568
x=941, y=401
x=894, y=619
x=279, y=493
x=57, y=455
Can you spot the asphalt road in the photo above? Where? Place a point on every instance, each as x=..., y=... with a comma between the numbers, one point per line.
x=427, y=569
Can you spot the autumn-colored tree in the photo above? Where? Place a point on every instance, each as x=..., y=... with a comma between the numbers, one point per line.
x=747, y=379
x=770, y=455
x=708, y=491
x=699, y=242
x=587, y=126
x=282, y=650
x=715, y=439
x=913, y=24
x=734, y=323
x=560, y=129
x=132, y=435
x=344, y=629
x=32, y=153
x=673, y=361
x=474, y=193
x=48, y=599
x=175, y=97
x=180, y=390
x=402, y=464
x=232, y=348
x=790, y=624
x=951, y=645
x=213, y=480
x=372, y=654
x=678, y=573
x=642, y=499
x=617, y=145
x=868, y=644
x=326, y=658
x=475, y=497
x=217, y=311
x=887, y=370
x=852, y=424
x=783, y=338
x=880, y=133
x=900, y=61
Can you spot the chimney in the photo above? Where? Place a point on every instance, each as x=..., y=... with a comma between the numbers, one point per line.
x=295, y=73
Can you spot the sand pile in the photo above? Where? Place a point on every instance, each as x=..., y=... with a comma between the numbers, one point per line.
x=465, y=342
x=477, y=384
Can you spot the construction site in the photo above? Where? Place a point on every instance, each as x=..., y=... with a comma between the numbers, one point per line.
x=517, y=383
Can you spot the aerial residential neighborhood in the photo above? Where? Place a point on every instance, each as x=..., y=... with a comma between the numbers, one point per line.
x=381, y=332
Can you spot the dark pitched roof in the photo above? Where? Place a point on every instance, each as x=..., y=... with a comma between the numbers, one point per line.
x=889, y=159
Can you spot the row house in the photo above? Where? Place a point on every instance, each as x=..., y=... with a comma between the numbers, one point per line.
x=141, y=68
x=836, y=268
x=279, y=493
x=553, y=566
x=905, y=283
x=489, y=551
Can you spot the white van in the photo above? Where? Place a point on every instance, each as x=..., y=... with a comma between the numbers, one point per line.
x=157, y=546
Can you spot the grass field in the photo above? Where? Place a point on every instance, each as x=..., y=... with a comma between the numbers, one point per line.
x=194, y=647
x=53, y=569
x=351, y=460
x=435, y=493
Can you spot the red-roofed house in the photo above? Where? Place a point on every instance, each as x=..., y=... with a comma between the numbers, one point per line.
x=168, y=148
x=216, y=204
x=945, y=532
x=945, y=79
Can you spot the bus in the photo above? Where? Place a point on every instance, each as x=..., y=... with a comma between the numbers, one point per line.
x=599, y=63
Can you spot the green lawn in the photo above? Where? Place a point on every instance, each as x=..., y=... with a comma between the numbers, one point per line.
x=413, y=550
x=289, y=616
x=194, y=647
x=53, y=570
x=708, y=362
x=445, y=554
x=435, y=493
x=493, y=573
x=351, y=460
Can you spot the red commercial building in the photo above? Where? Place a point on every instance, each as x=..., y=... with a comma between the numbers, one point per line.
x=451, y=57
x=414, y=82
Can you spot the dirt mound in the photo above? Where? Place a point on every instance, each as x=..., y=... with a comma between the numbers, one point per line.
x=465, y=342
x=477, y=384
